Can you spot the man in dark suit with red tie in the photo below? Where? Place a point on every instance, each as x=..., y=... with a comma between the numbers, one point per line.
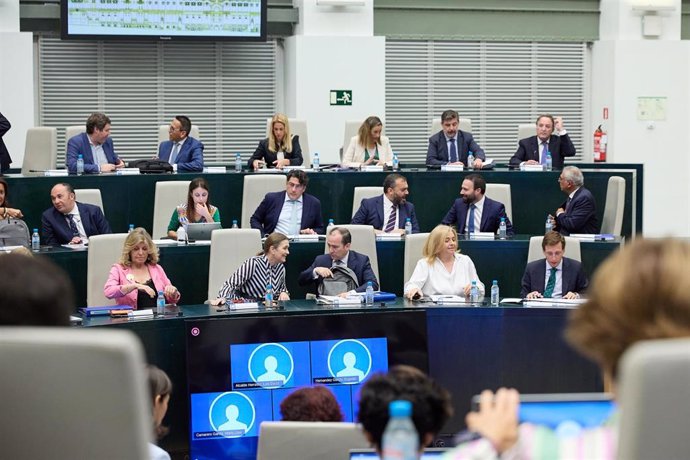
x=389, y=212
x=182, y=151
x=579, y=212
x=534, y=150
x=451, y=146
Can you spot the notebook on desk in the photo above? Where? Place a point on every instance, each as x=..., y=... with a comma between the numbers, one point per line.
x=201, y=231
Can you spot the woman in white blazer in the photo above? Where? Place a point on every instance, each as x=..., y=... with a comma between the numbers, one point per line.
x=368, y=147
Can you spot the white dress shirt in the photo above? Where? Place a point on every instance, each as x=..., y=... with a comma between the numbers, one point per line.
x=98, y=153
x=434, y=279
x=77, y=220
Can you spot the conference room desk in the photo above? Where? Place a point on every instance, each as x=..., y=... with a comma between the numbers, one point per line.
x=187, y=266
x=130, y=199
x=469, y=349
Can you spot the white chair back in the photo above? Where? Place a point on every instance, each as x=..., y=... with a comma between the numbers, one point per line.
x=364, y=242
x=229, y=248
x=299, y=128
x=526, y=130
x=254, y=190
x=64, y=393
x=163, y=131
x=414, y=244
x=501, y=193
x=40, y=150
x=572, y=249
x=612, y=221
x=89, y=196
x=169, y=195
x=104, y=251
x=464, y=124
x=351, y=129
x=364, y=192
x=309, y=440
x=71, y=131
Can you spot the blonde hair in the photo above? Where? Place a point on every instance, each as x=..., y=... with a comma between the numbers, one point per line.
x=436, y=240
x=364, y=133
x=286, y=143
x=136, y=236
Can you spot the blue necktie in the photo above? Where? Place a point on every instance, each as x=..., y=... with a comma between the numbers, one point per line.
x=544, y=152
x=470, y=224
x=72, y=225
x=294, y=225
x=173, y=155
x=453, y=151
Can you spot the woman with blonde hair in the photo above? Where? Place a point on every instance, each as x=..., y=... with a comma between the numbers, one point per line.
x=279, y=149
x=369, y=146
x=442, y=270
x=137, y=278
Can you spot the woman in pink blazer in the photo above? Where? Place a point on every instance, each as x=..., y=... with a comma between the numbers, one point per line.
x=137, y=278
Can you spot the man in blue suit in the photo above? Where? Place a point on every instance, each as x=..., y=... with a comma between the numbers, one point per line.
x=69, y=221
x=291, y=212
x=183, y=152
x=578, y=214
x=339, y=240
x=95, y=146
x=554, y=276
x=486, y=213
x=451, y=146
x=388, y=213
x=533, y=150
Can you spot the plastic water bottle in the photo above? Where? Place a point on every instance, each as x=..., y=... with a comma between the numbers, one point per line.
x=502, y=229
x=238, y=163
x=396, y=162
x=80, y=164
x=408, y=226
x=315, y=162
x=549, y=161
x=331, y=224
x=495, y=294
x=234, y=223
x=35, y=241
x=369, y=295
x=470, y=160
x=181, y=235
x=549, y=224
x=400, y=439
x=131, y=228
x=160, y=304
x=474, y=293
x=268, y=297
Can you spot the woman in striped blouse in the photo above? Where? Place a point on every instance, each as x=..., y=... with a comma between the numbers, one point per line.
x=252, y=277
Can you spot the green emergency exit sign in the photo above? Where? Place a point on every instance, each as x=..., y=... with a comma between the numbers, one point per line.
x=341, y=97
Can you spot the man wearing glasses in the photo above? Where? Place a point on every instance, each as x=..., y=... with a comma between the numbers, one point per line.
x=183, y=152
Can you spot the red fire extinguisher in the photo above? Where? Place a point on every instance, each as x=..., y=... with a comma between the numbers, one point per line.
x=600, y=141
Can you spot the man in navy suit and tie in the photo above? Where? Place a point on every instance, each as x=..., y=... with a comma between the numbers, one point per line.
x=95, y=146
x=451, y=146
x=388, y=213
x=183, y=152
x=579, y=212
x=554, y=276
x=474, y=212
x=534, y=150
x=71, y=222
x=339, y=240
x=291, y=212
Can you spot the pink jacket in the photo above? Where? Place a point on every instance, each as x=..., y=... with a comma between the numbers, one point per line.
x=118, y=277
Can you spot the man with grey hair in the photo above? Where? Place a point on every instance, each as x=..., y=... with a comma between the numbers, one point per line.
x=579, y=212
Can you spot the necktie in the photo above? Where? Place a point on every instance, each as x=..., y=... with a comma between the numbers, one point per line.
x=175, y=151
x=544, y=151
x=548, y=292
x=390, y=225
x=470, y=224
x=453, y=151
x=567, y=203
x=294, y=226
x=337, y=263
x=72, y=225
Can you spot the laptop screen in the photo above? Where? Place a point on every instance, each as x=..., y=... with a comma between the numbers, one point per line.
x=370, y=454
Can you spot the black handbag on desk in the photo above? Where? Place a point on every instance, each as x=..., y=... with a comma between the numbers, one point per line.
x=151, y=166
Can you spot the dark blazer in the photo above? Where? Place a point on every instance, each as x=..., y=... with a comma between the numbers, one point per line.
x=5, y=159
x=580, y=214
x=491, y=216
x=265, y=218
x=79, y=144
x=189, y=158
x=574, y=278
x=437, y=153
x=358, y=263
x=262, y=153
x=370, y=212
x=559, y=146
x=56, y=230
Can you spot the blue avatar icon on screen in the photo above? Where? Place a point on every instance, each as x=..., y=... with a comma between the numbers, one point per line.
x=232, y=414
x=271, y=365
x=349, y=361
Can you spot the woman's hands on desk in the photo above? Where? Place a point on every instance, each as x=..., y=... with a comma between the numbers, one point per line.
x=414, y=294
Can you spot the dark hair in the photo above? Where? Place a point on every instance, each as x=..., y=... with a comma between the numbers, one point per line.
x=478, y=182
x=546, y=115
x=159, y=385
x=344, y=233
x=390, y=180
x=300, y=175
x=96, y=120
x=311, y=404
x=35, y=292
x=551, y=239
x=193, y=185
x=185, y=123
x=69, y=187
x=272, y=241
x=5, y=202
x=449, y=115
x=431, y=406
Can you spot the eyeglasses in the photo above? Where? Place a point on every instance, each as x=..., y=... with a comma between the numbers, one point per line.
x=172, y=129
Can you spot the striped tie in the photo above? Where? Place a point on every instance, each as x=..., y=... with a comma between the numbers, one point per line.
x=551, y=283
x=391, y=220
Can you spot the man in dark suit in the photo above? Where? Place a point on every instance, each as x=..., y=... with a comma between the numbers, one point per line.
x=95, y=146
x=291, y=212
x=534, y=150
x=578, y=214
x=389, y=212
x=339, y=240
x=5, y=159
x=69, y=221
x=487, y=212
x=564, y=278
x=183, y=152
x=451, y=146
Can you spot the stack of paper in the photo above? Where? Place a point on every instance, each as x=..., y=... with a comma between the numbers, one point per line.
x=549, y=303
x=448, y=299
